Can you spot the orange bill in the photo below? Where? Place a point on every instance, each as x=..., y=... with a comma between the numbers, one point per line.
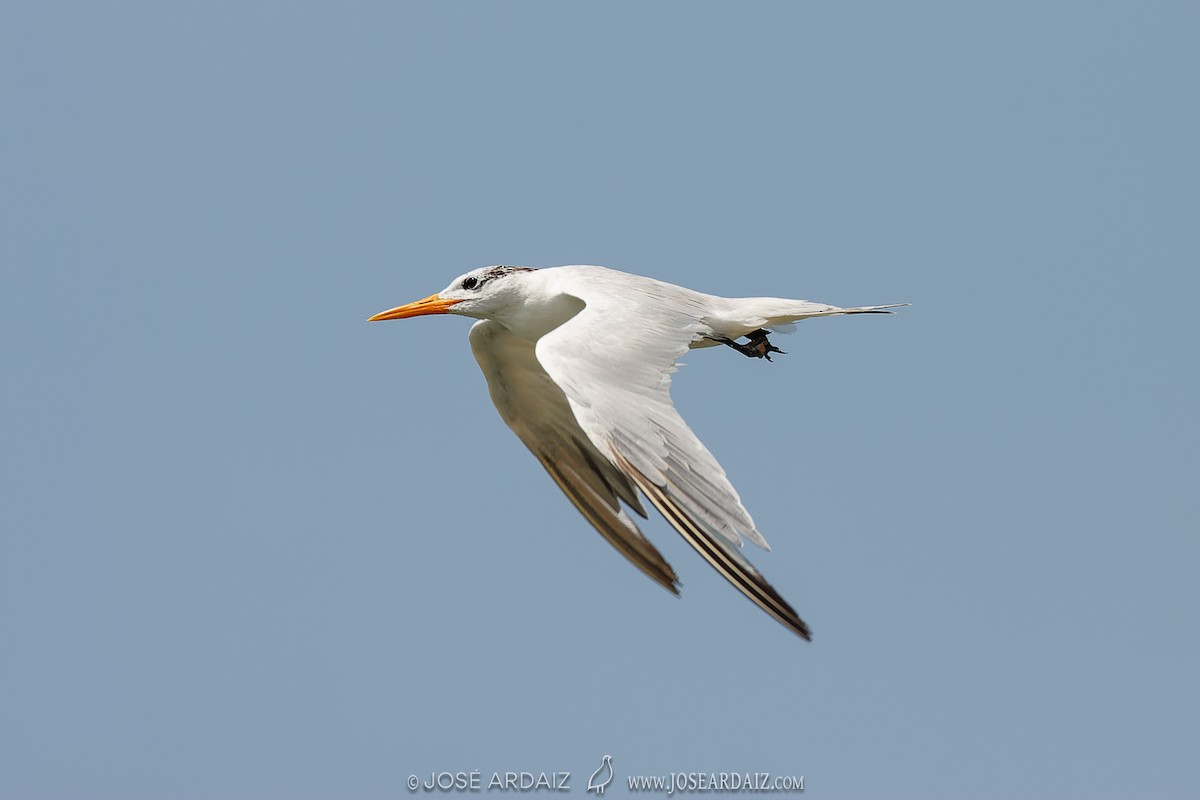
x=433, y=304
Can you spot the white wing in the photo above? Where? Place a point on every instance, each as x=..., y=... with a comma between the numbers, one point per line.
x=537, y=411
x=613, y=362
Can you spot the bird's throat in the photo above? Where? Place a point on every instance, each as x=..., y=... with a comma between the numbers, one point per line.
x=533, y=320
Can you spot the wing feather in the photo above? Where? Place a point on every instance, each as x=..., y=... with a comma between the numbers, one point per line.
x=726, y=560
x=533, y=406
x=613, y=361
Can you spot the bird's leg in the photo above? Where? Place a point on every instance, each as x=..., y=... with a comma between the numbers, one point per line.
x=756, y=346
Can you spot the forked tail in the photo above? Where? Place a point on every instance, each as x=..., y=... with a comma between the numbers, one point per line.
x=860, y=310
x=781, y=318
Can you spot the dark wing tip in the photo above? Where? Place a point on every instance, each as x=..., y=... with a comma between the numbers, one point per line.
x=629, y=543
x=731, y=566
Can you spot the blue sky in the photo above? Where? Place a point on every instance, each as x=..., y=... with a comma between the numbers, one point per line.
x=255, y=547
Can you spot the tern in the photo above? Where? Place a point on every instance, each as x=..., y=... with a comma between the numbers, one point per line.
x=578, y=362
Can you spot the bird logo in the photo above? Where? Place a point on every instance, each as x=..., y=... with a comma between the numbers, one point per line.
x=602, y=777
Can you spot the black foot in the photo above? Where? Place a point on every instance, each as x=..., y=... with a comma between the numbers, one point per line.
x=757, y=345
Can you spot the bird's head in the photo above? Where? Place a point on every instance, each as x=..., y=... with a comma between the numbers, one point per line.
x=480, y=293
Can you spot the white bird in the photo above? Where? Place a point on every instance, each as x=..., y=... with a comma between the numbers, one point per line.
x=578, y=362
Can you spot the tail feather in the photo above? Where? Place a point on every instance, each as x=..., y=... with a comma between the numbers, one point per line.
x=869, y=309
x=782, y=320
x=737, y=317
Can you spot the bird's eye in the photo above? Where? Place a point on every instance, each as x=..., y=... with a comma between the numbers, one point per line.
x=470, y=283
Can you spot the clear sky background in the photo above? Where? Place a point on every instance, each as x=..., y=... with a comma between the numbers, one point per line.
x=254, y=547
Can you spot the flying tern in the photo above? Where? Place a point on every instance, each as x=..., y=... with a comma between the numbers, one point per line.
x=578, y=362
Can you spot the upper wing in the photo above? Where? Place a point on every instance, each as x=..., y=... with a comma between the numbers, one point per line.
x=613, y=362
x=537, y=411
